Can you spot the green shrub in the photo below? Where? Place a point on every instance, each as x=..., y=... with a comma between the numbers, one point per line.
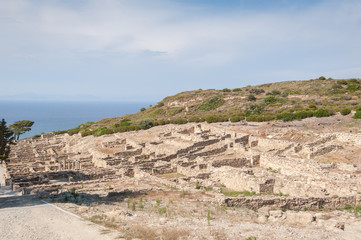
x=86, y=132
x=123, y=123
x=357, y=115
x=255, y=109
x=142, y=109
x=60, y=132
x=342, y=82
x=353, y=81
x=270, y=99
x=174, y=111
x=73, y=131
x=214, y=118
x=322, y=113
x=237, y=90
x=286, y=93
x=226, y=90
x=286, y=116
x=146, y=123
x=322, y=78
x=211, y=103
x=353, y=87
x=251, y=98
x=156, y=112
x=345, y=111
x=179, y=121
x=160, y=104
x=236, y=118
x=312, y=106
x=303, y=114
x=274, y=93
x=101, y=131
x=260, y=118
x=256, y=91
x=37, y=136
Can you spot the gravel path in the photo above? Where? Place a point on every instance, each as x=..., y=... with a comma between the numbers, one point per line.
x=27, y=218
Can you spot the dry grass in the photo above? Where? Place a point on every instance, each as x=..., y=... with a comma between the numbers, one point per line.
x=148, y=233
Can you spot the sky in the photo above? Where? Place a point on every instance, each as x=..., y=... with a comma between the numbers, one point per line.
x=141, y=50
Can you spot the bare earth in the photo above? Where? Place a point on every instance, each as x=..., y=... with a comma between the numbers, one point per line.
x=27, y=218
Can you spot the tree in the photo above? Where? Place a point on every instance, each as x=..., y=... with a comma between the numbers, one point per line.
x=20, y=127
x=6, y=138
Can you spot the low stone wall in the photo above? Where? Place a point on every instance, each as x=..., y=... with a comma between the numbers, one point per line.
x=293, y=203
x=236, y=162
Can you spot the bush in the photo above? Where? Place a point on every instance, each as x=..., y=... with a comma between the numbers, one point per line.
x=312, y=106
x=145, y=123
x=322, y=78
x=60, y=132
x=211, y=103
x=251, y=98
x=321, y=113
x=353, y=87
x=274, y=93
x=160, y=104
x=357, y=115
x=260, y=118
x=342, y=82
x=270, y=99
x=142, y=109
x=101, y=131
x=86, y=132
x=211, y=119
x=236, y=118
x=286, y=116
x=303, y=114
x=353, y=81
x=237, y=90
x=345, y=111
x=256, y=91
x=123, y=123
x=255, y=109
x=226, y=90
x=215, y=118
x=286, y=93
x=73, y=131
x=179, y=121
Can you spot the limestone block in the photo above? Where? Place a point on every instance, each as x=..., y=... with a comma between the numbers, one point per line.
x=303, y=218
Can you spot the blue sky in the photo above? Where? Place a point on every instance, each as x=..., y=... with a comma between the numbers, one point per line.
x=141, y=50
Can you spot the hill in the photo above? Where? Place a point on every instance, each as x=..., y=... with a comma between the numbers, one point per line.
x=287, y=101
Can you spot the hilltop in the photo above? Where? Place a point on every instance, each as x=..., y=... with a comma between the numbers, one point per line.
x=287, y=101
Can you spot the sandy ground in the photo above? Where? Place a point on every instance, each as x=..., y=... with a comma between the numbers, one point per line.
x=27, y=218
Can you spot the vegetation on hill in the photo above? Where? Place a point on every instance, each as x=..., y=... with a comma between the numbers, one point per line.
x=287, y=101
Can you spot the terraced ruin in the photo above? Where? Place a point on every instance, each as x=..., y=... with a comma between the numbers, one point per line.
x=204, y=181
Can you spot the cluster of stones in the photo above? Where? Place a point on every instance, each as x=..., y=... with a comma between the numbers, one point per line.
x=209, y=154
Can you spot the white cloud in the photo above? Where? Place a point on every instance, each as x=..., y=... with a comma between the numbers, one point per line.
x=132, y=27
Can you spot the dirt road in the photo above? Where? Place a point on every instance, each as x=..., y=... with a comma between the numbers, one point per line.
x=28, y=218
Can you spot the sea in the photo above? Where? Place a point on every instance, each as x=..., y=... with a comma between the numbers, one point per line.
x=55, y=116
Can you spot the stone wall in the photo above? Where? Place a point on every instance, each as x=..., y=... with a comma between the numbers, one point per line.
x=293, y=203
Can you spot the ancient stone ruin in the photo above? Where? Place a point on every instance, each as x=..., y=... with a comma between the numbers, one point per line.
x=213, y=155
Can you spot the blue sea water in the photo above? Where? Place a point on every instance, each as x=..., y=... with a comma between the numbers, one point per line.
x=54, y=116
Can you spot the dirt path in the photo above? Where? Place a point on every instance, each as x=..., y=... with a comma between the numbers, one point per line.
x=28, y=218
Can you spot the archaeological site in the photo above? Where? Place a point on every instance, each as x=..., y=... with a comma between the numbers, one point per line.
x=244, y=180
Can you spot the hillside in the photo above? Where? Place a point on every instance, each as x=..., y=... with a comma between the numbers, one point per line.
x=287, y=101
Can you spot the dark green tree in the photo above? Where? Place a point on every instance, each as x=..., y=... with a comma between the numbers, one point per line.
x=6, y=138
x=20, y=127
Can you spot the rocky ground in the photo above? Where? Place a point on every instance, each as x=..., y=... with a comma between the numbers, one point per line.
x=28, y=218
x=276, y=180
